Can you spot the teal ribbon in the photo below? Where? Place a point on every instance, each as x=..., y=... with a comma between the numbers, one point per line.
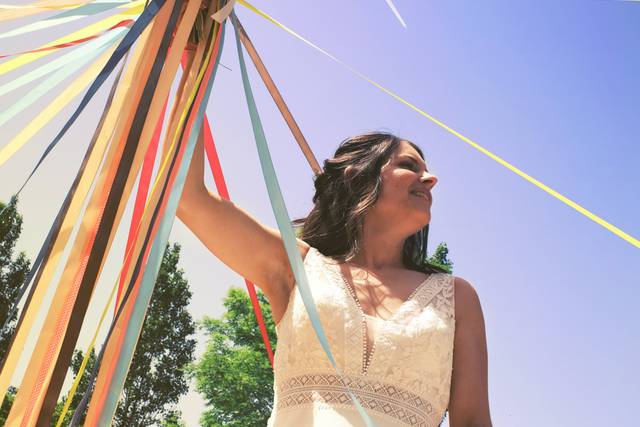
x=65, y=17
x=72, y=57
x=58, y=76
x=155, y=259
x=284, y=225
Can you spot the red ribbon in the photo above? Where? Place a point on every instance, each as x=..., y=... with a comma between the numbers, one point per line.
x=218, y=177
x=141, y=197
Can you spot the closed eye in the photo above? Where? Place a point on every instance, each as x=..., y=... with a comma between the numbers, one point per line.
x=409, y=164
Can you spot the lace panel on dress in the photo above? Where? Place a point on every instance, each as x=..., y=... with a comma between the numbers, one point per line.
x=387, y=399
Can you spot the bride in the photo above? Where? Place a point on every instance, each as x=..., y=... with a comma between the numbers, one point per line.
x=408, y=337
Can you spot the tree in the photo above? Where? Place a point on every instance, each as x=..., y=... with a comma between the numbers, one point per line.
x=6, y=404
x=157, y=376
x=13, y=270
x=440, y=257
x=174, y=419
x=234, y=375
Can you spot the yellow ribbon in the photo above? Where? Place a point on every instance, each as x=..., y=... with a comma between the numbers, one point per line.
x=615, y=230
x=111, y=131
x=49, y=268
x=50, y=112
x=135, y=8
x=172, y=64
x=46, y=5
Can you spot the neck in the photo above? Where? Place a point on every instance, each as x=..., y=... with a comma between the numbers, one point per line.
x=380, y=248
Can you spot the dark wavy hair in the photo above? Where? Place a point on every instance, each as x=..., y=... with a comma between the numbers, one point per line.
x=343, y=197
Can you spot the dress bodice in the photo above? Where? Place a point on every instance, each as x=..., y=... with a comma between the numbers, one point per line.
x=404, y=381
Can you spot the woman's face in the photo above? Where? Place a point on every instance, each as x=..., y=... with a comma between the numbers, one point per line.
x=405, y=199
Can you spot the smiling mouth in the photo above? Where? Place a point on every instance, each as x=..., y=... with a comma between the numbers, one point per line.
x=422, y=195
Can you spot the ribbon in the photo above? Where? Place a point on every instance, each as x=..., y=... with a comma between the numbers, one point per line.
x=224, y=12
x=598, y=220
x=159, y=244
x=124, y=23
x=115, y=202
x=221, y=185
x=177, y=44
x=138, y=27
x=135, y=301
x=59, y=241
x=141, y=196
x=9, y=12
x=51, y=110
x=90, y=30
x=54, y=231
x=50, y=83
x=395, y=12
x=80, y=280
x=46, y=5
x=277, y=97
x=218, y=177
x=114, y=342
x=70, y=16
x=284, y=225
x=61, y=61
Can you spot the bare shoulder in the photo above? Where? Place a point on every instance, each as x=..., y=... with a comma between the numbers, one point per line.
x=469, y=397
x=467, y=301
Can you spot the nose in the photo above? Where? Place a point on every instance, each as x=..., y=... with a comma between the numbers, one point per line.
x=430, y=179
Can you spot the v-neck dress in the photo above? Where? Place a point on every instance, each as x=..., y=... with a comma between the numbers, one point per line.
x=404, y=380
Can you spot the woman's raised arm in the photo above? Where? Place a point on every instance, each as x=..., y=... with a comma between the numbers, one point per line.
x=251, y=249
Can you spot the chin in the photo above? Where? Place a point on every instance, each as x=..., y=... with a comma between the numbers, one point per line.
x=422, y=221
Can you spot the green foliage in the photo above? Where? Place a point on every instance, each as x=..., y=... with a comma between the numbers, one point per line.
x=13, y=270
x=440, y=258
x=173, y=419
x=6, y=404
x=157, y=376
x=76, y=361
x=234, y=375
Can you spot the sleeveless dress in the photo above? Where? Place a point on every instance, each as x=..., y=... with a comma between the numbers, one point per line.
x=404, y=381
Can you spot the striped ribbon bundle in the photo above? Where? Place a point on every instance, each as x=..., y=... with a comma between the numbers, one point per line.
x=127, y=138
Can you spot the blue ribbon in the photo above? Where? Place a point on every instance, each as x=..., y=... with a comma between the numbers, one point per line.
x=284, y=225
x=68, y=58
x=138, y=27
x=57, y=77
x=65, y=17
x=155, y=257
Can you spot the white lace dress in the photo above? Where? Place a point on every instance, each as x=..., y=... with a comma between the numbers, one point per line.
x=403, y=381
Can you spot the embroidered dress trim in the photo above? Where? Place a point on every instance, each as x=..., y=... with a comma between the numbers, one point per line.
x=390, y=400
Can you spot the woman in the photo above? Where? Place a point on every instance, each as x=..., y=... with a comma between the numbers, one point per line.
x=408, y=338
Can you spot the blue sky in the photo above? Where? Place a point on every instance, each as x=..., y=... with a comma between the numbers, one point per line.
x=550, y=86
